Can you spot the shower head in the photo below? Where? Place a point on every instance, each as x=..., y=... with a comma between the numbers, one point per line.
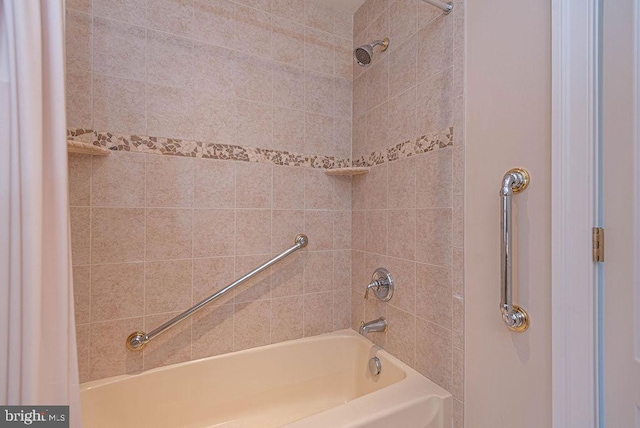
x=363, y=54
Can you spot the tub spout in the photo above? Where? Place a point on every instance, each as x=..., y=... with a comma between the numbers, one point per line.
x=379, y=325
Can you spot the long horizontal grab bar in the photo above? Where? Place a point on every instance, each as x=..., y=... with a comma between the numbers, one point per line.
x=138, y=339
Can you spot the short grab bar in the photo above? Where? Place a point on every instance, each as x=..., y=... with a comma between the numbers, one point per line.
x=516, y=318
x=138, y=339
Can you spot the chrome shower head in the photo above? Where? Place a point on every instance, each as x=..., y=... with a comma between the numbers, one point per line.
x=364, y=54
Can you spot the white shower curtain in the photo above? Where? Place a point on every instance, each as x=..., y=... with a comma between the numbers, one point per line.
x=38, y=363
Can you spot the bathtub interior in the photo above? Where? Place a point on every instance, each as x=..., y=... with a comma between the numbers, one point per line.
x=264, y=387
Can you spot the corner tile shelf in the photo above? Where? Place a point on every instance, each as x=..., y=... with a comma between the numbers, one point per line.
x=347, y=171
x=86, y=148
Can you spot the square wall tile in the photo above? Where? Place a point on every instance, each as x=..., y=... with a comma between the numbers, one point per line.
x=118, y=180
x=319, y=16
x=319, y=51
x=169, y=181
x=342, y=230
x=342, y=271
x=435, y=47
x=401, y=336
x=168, y=234
x=402, y=117
x=214, y=22
x=319, y=134
x=254, y=78
x=288, y=86
x=433, y=295
x=171, y=347
x=78, y=40
x=214, y=184
x=376, y=231
x=433, y=243
x=169, y=59
x=253, y=185
x=318, y=190
x=341, y=309
x=83, y=341
x=252, y=324
x=286, y=225
x=213, y=71
x=319, y=93
x=119, y=49
x=116, y=291
x=119, y=105
x=82, y=294
x=253, y=31
x=253, y=232
x=318, y=225
x=167, y=286
x=212, y=332
x=288, y=276
x=435, y=103
x=108, y=356
x=117, y=235
x=434, y=352
x=129, y=11
x=402, y=234
x=171, y=16
x=290, y=9
x=254, y=127
x=169, y=112
x=402, y=183
x=79, y=179
x=403, y=19
x=317, y=268
x=318, y=313
x=79, y=99
x=208, y=109
x=213, y=233
x=288, y=130
x=81, y=5
x=287, y=317
x=433, y=179
x=288, y=41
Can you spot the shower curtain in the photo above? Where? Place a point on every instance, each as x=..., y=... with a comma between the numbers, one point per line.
x=38, y=363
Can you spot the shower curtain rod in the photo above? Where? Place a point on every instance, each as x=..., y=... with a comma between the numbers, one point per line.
x=446, y=7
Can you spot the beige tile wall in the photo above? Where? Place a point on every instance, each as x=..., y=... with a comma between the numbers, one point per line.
x=407, y=215
x=152, y=235
x=272, y=74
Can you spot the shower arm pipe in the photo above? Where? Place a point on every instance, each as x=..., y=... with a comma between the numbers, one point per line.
x=446, y=7
x=137, y=340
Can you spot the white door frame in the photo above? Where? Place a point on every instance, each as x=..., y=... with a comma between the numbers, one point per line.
x=575, y=172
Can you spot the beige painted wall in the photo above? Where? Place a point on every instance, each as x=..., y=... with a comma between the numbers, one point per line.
x=508, y=124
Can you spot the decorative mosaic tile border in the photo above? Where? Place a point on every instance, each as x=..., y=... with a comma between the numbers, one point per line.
x=198, y=149
x=424, y=144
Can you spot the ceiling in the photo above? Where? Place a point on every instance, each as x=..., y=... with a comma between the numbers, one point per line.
x=346, y=5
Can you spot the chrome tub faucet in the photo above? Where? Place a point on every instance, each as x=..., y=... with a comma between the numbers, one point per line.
x=379, y=326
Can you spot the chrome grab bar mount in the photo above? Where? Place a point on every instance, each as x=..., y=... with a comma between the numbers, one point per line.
x=516, y=319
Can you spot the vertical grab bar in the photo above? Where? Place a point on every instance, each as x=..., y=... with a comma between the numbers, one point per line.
x=516, y=318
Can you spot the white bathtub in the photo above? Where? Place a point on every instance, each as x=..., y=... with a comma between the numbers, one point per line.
x=317, y=382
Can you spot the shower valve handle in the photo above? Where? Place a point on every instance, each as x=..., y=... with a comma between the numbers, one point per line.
x=382, y=284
